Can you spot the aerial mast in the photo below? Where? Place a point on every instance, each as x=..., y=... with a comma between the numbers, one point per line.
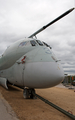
x=58, y=18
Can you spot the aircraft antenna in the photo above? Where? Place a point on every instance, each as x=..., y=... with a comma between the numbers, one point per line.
x=44, y=27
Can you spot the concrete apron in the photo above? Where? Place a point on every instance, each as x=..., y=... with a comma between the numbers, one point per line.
x=6, y=112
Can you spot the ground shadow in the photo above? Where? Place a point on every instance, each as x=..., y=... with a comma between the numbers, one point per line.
x=13, y=88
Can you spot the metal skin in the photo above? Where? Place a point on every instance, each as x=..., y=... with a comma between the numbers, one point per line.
x=40, y=68
x=13, y=53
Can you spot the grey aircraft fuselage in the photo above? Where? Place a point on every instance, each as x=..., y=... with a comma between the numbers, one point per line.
x=30, y=63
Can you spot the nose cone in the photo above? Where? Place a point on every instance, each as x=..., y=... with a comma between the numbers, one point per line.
x=53, y=74
x=44, y=74
x=42, y=69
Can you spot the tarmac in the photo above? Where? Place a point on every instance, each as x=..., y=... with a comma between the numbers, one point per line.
x=6, y=112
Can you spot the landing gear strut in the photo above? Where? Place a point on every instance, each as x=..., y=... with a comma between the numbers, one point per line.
x=27, y=93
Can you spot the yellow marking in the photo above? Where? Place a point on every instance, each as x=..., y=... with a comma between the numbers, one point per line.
x=58, y=67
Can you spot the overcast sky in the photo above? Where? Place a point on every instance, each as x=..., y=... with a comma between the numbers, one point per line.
x=21, y=18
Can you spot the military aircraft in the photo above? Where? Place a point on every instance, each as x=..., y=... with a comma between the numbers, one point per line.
x=30, y=63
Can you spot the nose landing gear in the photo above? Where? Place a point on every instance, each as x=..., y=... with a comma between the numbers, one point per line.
x=28, y=93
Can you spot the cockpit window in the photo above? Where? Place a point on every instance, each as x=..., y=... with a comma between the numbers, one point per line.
x=24, y=43
x=47, y=45
x=39, y=42
x=33, y=43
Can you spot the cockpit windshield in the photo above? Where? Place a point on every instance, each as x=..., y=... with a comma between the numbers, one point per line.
x=47, y=45
x=39, y=42
x=33, y=43
x=36, y=42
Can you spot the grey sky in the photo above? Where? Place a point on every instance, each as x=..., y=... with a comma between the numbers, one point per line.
x=21, y=18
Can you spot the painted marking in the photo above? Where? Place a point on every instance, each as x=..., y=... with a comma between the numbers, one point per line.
x=47, y=50
x=23, y=60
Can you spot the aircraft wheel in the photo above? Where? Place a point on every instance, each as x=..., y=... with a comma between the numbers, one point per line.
x=31, y=95
x=26, y=93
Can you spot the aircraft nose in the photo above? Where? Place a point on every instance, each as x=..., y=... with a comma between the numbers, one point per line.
x=44, y=75
x=42, y=69
x=51, y=74
x=54, y=74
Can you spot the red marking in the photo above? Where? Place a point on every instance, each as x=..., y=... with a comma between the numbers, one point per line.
x=23, y=60
x=72, y=78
